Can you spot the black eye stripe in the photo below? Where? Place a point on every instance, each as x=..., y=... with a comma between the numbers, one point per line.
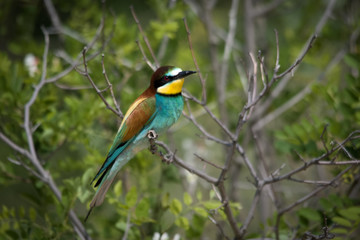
x=163, y=80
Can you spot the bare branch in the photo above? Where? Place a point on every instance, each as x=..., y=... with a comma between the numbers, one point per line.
x=219, y=227
x=227, y=210
x=110, y=86
x=144, y=36
x=28, y=168
x=307, y=197
x=281, y=86
x=144, y=56
x=178, y=161
x=202, y=79
x=352, y=162
x=277, y=65
x=14, y=146
x=99, y=92
x=227, y=164
x=266, y=8
x=222, y=81
x=298, y=61
x=54, y=17
x=251, y=212
x=201, y=128
x=247, y=163
x=208, y=162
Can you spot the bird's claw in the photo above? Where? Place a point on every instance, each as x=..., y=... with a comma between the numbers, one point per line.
x=152, y=134
x=168, y=158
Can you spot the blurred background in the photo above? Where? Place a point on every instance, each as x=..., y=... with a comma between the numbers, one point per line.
x=72, y=129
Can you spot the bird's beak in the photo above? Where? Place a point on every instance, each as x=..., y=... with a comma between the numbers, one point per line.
x=184, y=74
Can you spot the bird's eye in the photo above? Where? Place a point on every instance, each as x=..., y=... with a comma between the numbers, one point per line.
x=166, y=78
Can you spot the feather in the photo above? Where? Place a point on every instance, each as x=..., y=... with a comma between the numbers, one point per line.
x=139, y=114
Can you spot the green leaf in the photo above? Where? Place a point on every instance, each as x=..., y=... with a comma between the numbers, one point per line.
x=21, y=212
x=131, y=197
x=354, y=209
x=335, y=200
x=342, y=221
x=118, y=188
x=352, y=61
x=212, y=204
x=121, y=225
x=86, y=178
x=348, y=214
x=309, y=214
x=182, y=222
x=176, y=206
x=199, y=195
x=340, y=231
x=32, y=214
x=201, y=211
x=326, y=204
x=165, y=200
x=187, y=199
x=142, y=209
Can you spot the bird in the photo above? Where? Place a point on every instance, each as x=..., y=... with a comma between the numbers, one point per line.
x=156, y=109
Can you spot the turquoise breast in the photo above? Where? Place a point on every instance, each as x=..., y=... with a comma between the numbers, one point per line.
x=169, y=109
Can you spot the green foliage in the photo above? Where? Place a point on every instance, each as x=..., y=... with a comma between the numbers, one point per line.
x=73, y=129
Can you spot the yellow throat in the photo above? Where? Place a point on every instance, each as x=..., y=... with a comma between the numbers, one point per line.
x=171, y=88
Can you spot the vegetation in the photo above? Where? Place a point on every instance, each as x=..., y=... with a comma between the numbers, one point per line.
x=267, y=147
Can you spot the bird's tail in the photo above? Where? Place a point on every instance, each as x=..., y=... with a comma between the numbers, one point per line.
x=100, y=194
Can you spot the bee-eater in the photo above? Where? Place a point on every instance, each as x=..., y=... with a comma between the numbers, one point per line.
x=157, y=108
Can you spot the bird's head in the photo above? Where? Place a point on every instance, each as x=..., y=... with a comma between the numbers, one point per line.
x=168, y=80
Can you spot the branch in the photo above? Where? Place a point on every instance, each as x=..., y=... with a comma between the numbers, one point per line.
x=251, y=213
x=110, y=87
x=14, y=146
x=305, y=198
x=144, y=36
x=298, y=61
x=76, y=62
x=202, y=80
x=316, y=160
x=32, y=155
x=281, y=86
x=54, y=17
x=145, y=57
x=298, y=97
x=201, y=128
x=154, y=150
x=224, y=68
x=98, y=91
x=259, y=11
x=227, y=210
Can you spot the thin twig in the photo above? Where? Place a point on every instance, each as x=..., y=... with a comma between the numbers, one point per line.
x=202, y=79
x=144, y=56
x=178, y=161
x=208, y=162
x=201, y=128
x=219, y=227
x=110, y=86
x=28, y=168
x=144, y=37
x=227, y=210
x=281, y=86
x=99, y=92
x=305, y=198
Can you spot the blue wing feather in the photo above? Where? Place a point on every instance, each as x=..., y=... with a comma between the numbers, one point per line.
x=140, y=114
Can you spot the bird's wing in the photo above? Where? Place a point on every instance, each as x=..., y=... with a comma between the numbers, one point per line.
x=140, y=113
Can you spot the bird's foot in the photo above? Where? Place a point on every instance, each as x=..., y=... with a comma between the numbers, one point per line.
x=152, y=135
x=168, y=158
